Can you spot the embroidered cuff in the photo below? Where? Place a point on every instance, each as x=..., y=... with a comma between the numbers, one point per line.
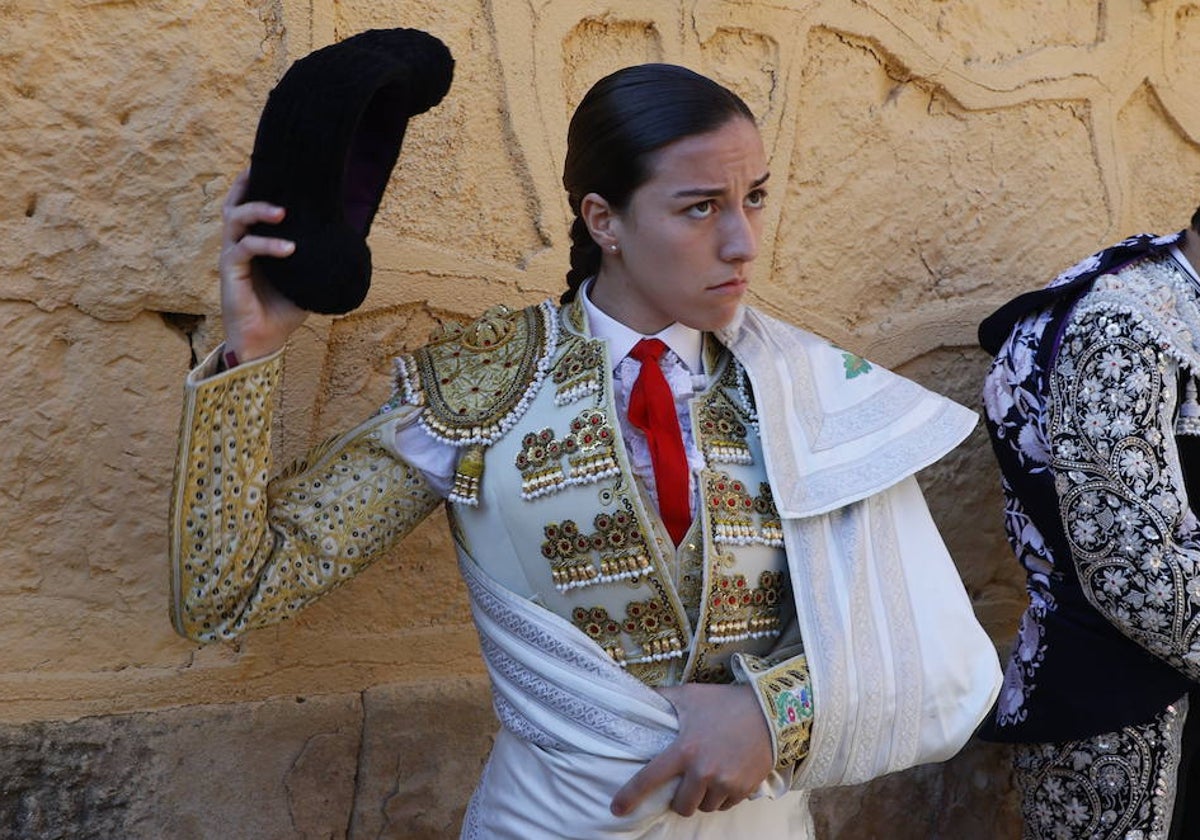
x=219, y=501
x=785, y=695
x=216, y=364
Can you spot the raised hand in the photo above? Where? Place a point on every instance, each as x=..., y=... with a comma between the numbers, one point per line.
x=257, y=318
x=723, y=751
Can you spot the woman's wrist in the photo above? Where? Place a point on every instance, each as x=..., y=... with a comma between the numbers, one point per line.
x=245, y=350
x=232, y=355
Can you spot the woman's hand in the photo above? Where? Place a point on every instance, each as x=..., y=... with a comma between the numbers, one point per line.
x=723, y=751
x=257, y=318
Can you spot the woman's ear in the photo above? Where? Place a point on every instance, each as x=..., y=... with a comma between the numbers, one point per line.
x=601, y=220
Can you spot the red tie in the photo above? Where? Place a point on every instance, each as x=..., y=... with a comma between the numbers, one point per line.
x=652, y=409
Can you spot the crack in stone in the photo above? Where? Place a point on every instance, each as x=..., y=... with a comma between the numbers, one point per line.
x=360, y=757
x=186, y=324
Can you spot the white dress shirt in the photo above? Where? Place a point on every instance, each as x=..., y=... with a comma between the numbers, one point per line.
x=683, y=367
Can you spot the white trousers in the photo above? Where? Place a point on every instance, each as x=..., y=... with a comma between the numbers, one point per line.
x=530, y=793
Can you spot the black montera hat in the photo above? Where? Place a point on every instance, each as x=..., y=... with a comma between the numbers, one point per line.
x=326, y=145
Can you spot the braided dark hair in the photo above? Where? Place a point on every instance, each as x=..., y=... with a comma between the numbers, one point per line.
x=621, y=122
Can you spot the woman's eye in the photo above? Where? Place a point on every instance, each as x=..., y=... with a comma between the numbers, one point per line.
x=756, y=198
x=702, y=210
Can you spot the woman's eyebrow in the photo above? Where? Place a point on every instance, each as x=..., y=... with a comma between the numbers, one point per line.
x=711, y=192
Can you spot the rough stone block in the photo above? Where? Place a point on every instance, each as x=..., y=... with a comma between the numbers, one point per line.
x=278, y=770
x=423, y=749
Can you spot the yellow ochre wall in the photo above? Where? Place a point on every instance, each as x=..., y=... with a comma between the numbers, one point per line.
x=929, y=159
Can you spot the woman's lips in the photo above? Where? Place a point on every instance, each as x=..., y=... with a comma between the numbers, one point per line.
x=736, y=285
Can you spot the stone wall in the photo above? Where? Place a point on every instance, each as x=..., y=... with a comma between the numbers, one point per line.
x=930, y=158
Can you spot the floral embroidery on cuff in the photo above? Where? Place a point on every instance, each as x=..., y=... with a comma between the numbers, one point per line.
x=785, y=694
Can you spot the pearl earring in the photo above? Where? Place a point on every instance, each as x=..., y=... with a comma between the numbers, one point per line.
x=612, y=247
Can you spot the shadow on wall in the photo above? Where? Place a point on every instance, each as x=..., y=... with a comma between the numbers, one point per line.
x=969, y=797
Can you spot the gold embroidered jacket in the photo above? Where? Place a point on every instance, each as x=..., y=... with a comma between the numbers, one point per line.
x=526, y=397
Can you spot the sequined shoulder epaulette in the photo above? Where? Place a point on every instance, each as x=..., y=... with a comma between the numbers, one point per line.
x=476, y=381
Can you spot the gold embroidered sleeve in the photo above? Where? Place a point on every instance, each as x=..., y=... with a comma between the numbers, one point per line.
x=785, y=695
x=247, y=552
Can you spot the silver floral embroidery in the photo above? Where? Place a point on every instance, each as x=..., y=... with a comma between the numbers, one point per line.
x=1120, y=487
x=1106, y=403
x=1115, y=786
x=1013, y=400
